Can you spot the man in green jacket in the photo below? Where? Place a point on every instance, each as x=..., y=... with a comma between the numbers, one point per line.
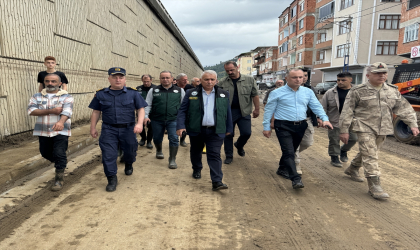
x=243, y=91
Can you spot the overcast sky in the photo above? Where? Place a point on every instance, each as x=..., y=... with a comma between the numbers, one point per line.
x=219, y=30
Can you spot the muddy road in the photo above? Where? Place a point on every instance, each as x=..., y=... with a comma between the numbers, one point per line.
x=159, y=208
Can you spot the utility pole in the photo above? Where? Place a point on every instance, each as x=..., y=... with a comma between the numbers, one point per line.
x=347, y=45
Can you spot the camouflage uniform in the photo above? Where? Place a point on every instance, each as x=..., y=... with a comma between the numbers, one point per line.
x=369, y=112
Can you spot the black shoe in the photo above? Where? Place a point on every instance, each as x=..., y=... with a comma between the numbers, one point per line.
x=142, y=142
x=241, y=151
x=343, y=156
x=196, y=174
x=297, y=184
x=149, y=145
x=335, y=161
x=283, y=173
x=228, y=160
x=219, y=185
x=128, y=169
x=112, y=183
x=183, y=144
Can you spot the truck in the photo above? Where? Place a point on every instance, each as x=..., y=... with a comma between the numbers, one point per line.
x=407, y=79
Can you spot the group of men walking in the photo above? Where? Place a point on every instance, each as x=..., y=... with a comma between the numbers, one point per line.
x=208, y=112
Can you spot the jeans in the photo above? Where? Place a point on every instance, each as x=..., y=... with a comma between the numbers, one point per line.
x=334, y=145
x=214, y=144
x=244, y=125
x=54, y=149
x=149, y=136
x=289, y=136
x=159, y=130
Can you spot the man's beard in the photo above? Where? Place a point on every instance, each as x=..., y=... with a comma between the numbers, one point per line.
x=52, y=88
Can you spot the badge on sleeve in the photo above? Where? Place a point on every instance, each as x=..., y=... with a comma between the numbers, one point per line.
x=175, y=91
x=156, y=90
x=222, y=95
x=194, y=93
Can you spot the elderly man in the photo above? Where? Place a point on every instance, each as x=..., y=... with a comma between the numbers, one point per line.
x=243, y=92
x=118, y=105
x=368, y=110
x=206, y=116
x=289, y=104
x=163, y=104
x=143, y=90
x=333, y=102
x=53, y=108
x=279, y=83
x=195, y=82
x=182, y=82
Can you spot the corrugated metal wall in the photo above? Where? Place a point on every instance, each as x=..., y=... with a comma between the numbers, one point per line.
x=86, y=37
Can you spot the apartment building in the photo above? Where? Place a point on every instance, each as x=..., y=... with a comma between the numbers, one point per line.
x=244, y=61
x=265, y=63
x=296, y=38
x=408, y=39
x=357, y=33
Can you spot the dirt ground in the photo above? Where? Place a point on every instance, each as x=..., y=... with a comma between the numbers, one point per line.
x=159, y=208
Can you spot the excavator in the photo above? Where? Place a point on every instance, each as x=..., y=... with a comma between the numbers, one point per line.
x=407, y=79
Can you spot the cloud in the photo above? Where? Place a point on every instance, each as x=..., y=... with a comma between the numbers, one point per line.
x=219, y=30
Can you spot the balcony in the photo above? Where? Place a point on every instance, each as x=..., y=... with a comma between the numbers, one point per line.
x=259, y=56
x=322, y=64
x=324, y=44
x=326, y=23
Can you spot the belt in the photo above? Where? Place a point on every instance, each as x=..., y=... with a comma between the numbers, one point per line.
x=125, y=125
x=291, y=122
x=208, y=127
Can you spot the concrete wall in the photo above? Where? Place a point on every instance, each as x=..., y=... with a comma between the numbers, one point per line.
x=86, y=37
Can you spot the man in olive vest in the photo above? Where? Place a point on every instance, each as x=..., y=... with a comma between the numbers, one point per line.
x=144, y=89
x=206, y=116
x=163, y=104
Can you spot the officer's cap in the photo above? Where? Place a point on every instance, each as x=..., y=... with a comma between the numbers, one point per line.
x=116, y=70
x=378, y=67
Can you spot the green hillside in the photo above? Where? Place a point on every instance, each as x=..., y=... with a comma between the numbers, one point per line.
x=219, y=68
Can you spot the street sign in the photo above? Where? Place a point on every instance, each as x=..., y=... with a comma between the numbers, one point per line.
x=415, y=51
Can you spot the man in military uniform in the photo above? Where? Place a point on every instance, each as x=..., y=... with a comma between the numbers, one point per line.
x=368, y=111
x=206, y=116
x=143, y=90
x=163, y=104
x=118, y=105
x=243, y=91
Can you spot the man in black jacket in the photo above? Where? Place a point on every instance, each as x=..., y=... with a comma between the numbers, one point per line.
x=144, y=89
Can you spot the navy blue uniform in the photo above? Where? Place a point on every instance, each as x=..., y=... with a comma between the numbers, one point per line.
x=118, y=120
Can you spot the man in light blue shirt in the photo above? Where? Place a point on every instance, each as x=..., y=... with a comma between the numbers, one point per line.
x=289, y=105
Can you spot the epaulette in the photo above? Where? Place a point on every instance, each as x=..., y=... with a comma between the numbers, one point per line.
x=100, y=89
x=392, y=85
x=359, y=86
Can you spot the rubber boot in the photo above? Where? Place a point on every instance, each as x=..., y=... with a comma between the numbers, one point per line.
x=58, y=180
x=375, y=189
x=112, y=183
x=335, y=161
x=149, y=145
x=172, y=157
x=128, y=169
x=182, y=141
x=142, y=142
x=353, y=171
x=159, y=153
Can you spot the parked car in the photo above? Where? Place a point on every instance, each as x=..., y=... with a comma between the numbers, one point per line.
x=322, y=87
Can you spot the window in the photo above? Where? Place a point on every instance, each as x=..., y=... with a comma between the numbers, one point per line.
x=386, y=48
x=286, y=18
x=411, y=33
x=293, y=11
x=301, y=24
x=321, y=55
x=281, y=36
x=248, y=68
x=323, y=37
x=344, y=27
x=281, y=22
x=326, y=11
x=249, y=61
x=292, y=59
x=302, y=6
x=286, y=32
x=346, y=3
x=413, y=3
x=292, y=28
x=283, y=47
x=390, y=0
x=300, y=57
x=343, y=50
x=389, y=22
x=300, y=40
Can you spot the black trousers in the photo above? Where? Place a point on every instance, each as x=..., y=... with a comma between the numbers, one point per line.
x=149, y=136
x=244, y=125
x=289, y=135
x=54, y=149
x=214, y=144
